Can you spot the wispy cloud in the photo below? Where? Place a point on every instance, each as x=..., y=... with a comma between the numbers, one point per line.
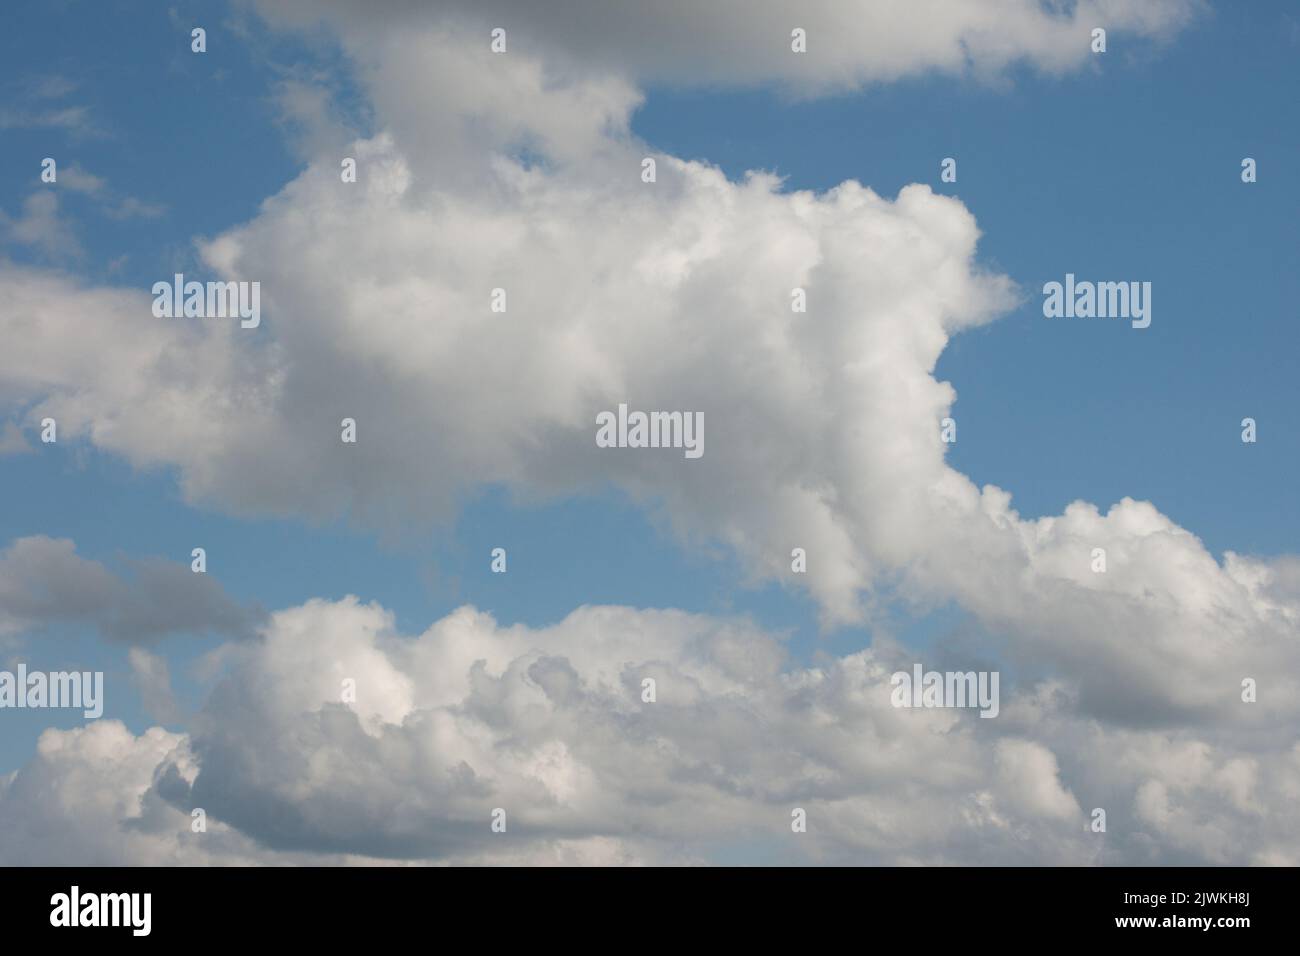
x=132, y=208
x=79, y=180
x=12, y=440
x=45, y=583
x=51, y=86
x=41, y=226
x=74, y=119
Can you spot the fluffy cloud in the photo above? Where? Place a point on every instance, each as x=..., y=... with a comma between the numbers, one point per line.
x=86, y=798
x=814, y=422
x=549, y=724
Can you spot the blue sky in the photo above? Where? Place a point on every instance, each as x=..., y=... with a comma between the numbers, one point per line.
x=1129, y=169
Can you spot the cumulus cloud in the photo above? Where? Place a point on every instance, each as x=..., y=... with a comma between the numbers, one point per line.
x=92, y=797
x=45, y=583
x=550, y=725
x=86, y=798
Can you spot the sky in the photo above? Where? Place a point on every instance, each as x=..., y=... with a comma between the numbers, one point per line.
x=522, y=690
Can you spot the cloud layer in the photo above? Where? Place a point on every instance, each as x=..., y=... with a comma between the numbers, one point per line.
x=748, y=42
x=551, y=726
x=519, y=172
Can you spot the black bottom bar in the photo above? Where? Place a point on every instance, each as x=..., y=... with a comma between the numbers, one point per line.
x=650, y=906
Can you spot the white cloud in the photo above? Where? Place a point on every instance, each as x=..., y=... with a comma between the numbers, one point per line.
x=1028, y=774
x=549, y=724
x=745, y=42
x=89, y=797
